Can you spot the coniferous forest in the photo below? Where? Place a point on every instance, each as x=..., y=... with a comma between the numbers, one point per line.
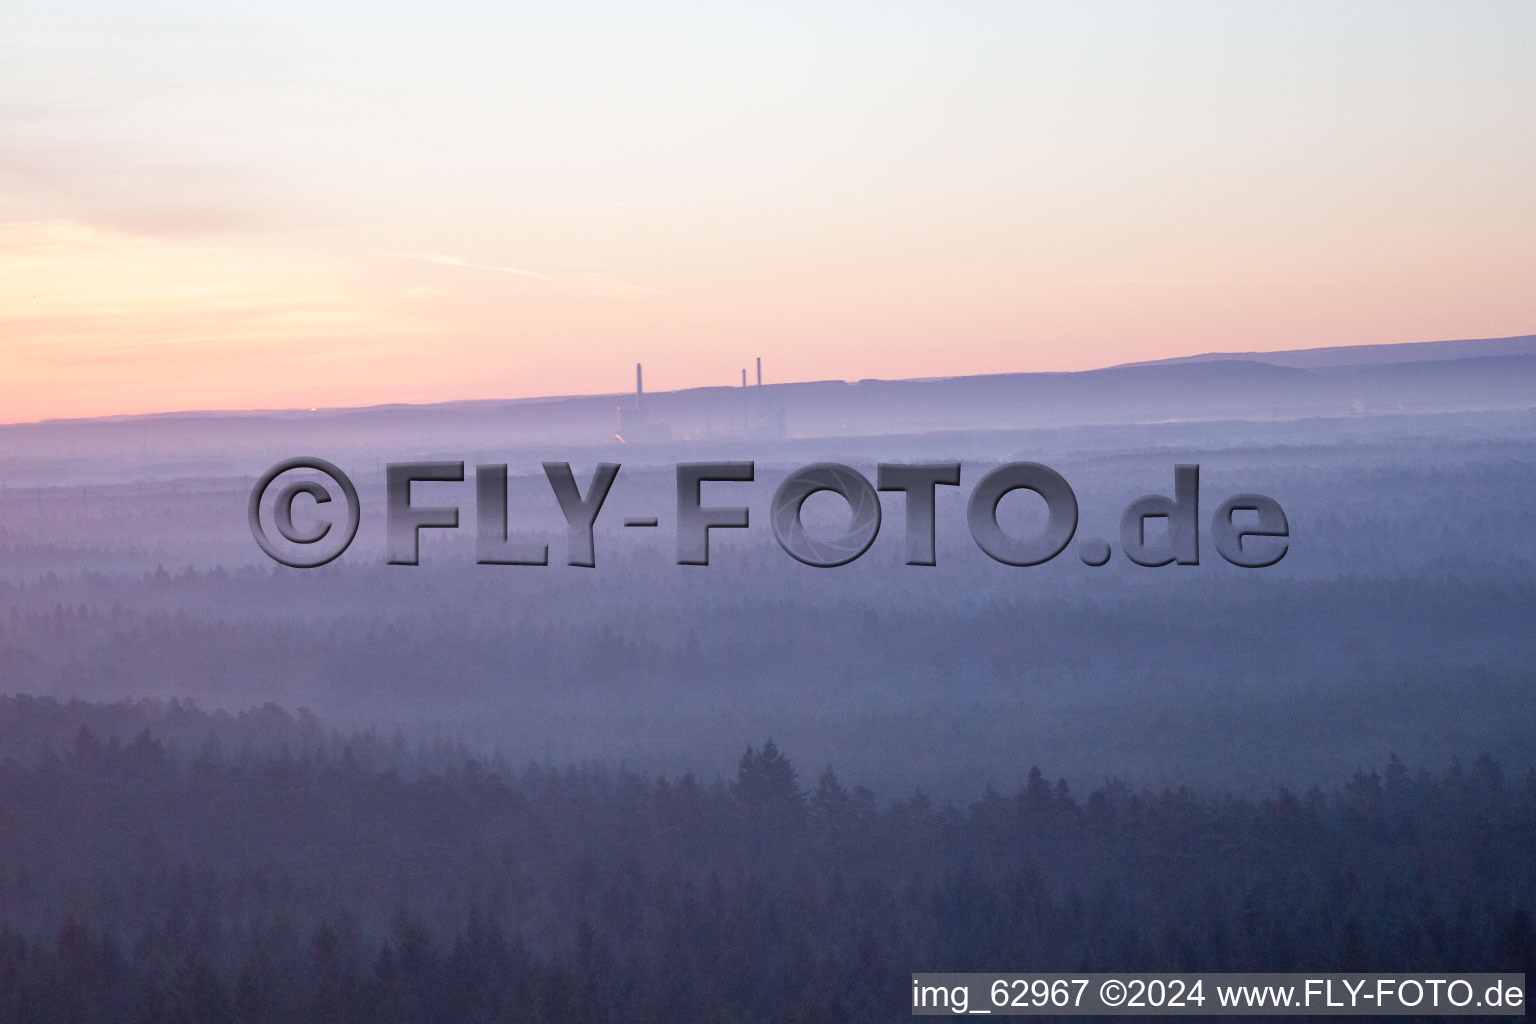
x=162, y=863
x=551, y=795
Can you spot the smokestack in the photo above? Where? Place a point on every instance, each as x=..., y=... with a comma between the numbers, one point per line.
x=759, y=371
x=639, y=387
x=743, y=376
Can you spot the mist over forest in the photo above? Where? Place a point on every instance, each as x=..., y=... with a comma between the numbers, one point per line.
x=1397, y=622
x=1034, y=737
x=261, y=868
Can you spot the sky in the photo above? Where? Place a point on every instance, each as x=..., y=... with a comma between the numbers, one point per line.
x=210, y=205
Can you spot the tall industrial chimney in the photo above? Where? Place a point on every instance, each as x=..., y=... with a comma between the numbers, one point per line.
x=639, y=387
x=759, y=371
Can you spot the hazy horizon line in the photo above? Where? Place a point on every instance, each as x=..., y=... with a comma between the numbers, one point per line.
x=1167, y=360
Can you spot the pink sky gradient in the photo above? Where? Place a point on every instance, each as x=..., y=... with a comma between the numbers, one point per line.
x=318, y=205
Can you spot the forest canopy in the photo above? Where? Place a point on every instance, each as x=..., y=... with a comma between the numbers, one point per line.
x=159, y=862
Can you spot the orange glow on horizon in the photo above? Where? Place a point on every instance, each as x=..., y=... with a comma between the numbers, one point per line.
x=304, y=205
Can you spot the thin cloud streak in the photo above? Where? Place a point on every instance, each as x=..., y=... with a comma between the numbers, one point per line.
x=597, y=284
x=454, y=261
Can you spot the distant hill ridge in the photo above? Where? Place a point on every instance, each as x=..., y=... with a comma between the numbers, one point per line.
x=1355, y=355
x=1468, y=376
x=1339, y=356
